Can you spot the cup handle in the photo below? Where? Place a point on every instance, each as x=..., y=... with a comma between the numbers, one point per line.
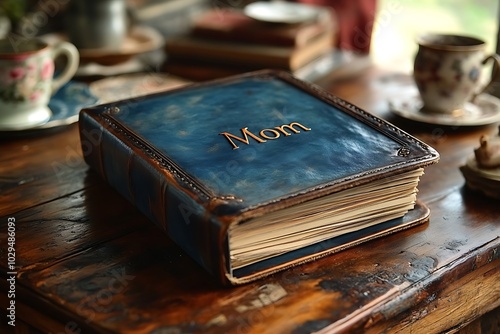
x=495, y=74
x=73, y=60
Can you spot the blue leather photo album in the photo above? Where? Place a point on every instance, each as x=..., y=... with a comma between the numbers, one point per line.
x=255, y=173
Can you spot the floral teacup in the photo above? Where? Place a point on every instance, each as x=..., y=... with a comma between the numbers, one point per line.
x=27, y=80
x=447, y=71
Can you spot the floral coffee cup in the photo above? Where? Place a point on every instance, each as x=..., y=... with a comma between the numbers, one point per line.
x=447, y=71
x=27, y=80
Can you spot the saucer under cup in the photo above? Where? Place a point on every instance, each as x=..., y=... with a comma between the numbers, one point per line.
x=15, y=118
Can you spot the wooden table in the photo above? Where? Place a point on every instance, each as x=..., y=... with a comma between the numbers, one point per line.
x=87, y=261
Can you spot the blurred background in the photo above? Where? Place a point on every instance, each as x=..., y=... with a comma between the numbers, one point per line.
x=399, y=22
x=387, y=29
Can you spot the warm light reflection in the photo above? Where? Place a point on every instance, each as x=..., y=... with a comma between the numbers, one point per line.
x=399, y=22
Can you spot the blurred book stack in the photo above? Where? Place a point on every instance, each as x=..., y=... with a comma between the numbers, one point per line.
x=224, y=42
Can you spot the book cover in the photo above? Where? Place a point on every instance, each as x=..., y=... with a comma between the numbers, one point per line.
x=258, y=172
x=234, y=26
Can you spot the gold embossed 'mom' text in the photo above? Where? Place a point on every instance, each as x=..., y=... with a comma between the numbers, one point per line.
x=264, y=135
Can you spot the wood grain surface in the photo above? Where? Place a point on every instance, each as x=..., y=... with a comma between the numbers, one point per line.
x=87, y=261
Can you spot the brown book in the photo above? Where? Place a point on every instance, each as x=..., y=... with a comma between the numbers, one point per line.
x=234, y=26
x=334, y=64
x=248, y=55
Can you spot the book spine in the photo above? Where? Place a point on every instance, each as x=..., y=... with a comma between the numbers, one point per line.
x=149, y=187
x=234, y=54
x=258, y=38
x=256, y=56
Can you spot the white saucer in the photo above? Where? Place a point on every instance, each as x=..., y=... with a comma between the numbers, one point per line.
x=485, y=110
x=281, y=12
x=133, y=85
x=65, y=106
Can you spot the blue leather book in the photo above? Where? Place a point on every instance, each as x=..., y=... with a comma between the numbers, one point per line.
x=255, y=173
